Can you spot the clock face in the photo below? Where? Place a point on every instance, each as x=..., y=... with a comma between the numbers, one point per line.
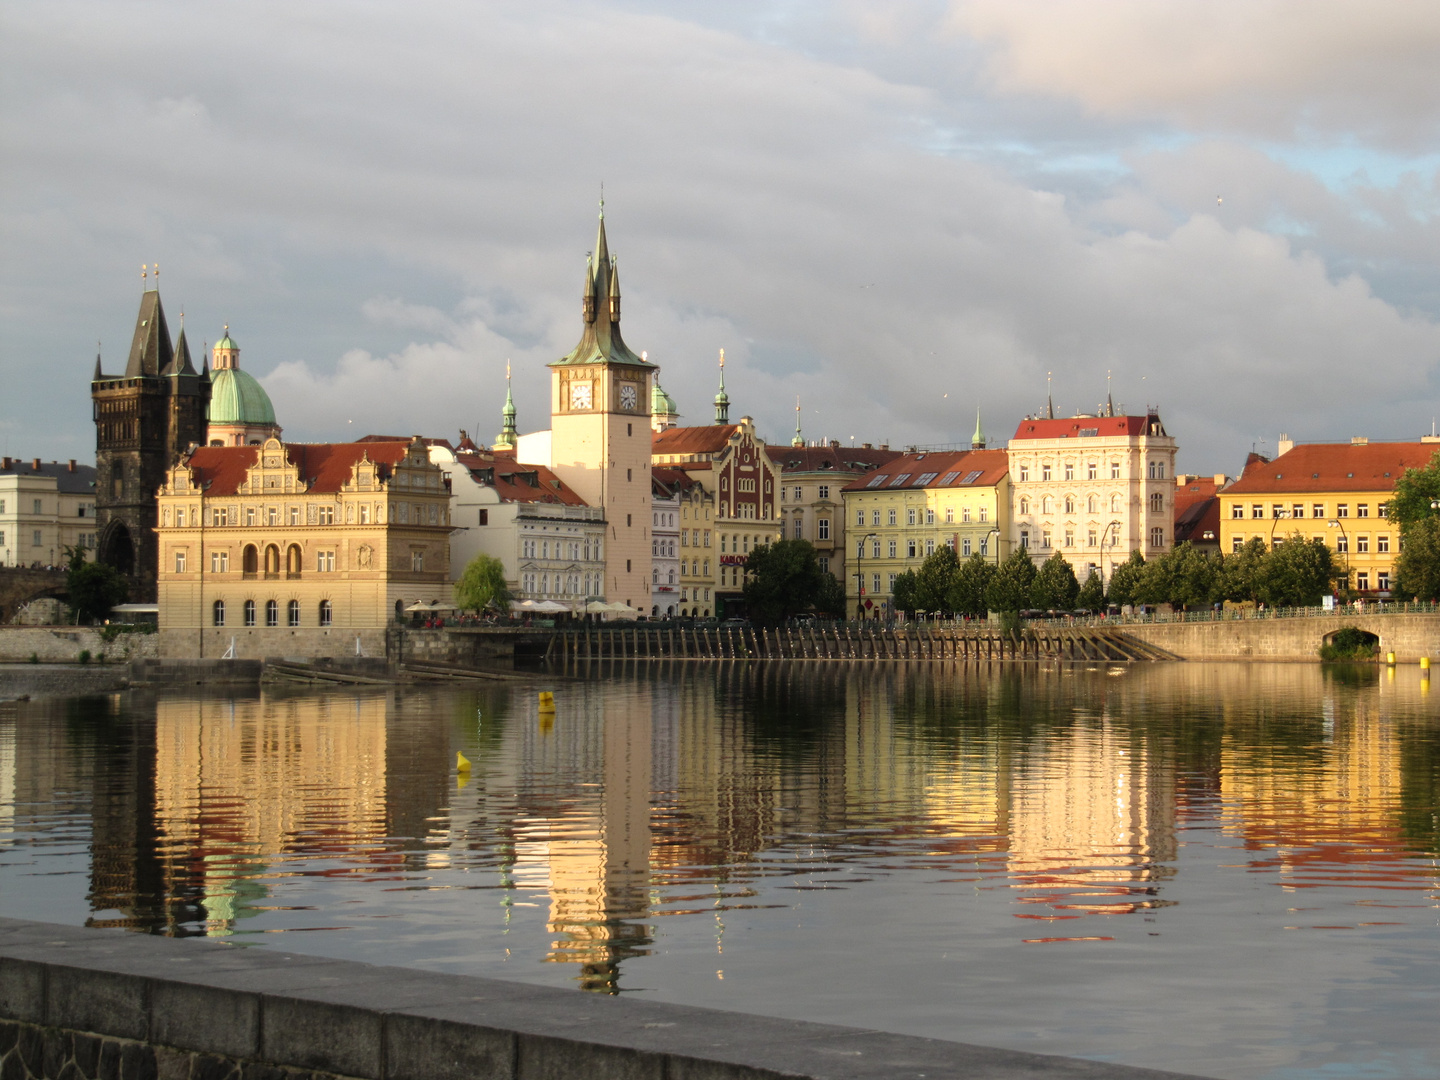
x=629, y=395
x=580, y=395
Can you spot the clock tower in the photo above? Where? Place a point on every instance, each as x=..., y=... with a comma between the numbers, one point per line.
x=600, y=428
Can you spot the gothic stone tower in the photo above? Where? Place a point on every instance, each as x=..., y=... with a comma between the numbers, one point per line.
x=144, y=420
x=600, y=429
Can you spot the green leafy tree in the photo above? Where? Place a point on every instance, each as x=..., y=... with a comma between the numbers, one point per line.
x=1125, y=580
x=1182, y=576
x=969, y=592
x=906, y=596
x=782, y=579
x=94, y=587
x=1010, y=587
x=1242, y=575
x=935, y=579
x=1414, y=492
x=1298, y=573
x=831, y=598
x=1417, y=570
x=482, y=585
x=1054, y=587
x=1092, y=594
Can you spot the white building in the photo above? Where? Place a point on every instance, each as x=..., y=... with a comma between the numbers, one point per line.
x=1093, y=488
x=45, y=507
x=665, y=542
x=551, y=543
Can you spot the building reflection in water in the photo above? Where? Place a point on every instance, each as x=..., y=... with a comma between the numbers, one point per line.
x=695, y=790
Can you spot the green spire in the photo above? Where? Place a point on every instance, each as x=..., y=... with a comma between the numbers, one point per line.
x=722, y=399
x=977, y=441
x=798, y=440
x=508, y=437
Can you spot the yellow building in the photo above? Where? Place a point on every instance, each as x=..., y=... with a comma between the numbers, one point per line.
x=1338, y=492
x=904, y=510
x=299, y=549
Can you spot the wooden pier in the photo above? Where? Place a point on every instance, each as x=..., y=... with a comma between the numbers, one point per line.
x=848, y=641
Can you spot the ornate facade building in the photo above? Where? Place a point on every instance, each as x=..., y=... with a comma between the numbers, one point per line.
x=144, y=420
x=305, y=549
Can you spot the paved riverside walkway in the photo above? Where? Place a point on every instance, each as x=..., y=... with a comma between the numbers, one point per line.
x=78, y=998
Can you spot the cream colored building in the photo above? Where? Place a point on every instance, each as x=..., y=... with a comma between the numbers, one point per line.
x=45, y=507
x=298, y=549
x=1093, y=488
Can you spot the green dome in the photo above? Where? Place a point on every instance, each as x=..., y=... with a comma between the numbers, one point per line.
x=227, y=342
x=661, y=403
x=236, y=398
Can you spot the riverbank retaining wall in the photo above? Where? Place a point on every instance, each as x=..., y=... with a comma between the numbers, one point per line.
x=94, y=1004
x=64, y=644
x=1410, y=636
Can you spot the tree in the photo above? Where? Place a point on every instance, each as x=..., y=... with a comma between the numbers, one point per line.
x=1417, y=570
x=1092, y=593
x=94, y=587
x=831, y=598
x=1242, y=575
x=1414, y=492
x=1125, y=579
x=1298, y=573
x=482, y=585
x=906, y=596
x=969, y=591
x=1010, y=588
x=1054, y=587
x=1182, y=576
x=935, y=578
x=781, y=579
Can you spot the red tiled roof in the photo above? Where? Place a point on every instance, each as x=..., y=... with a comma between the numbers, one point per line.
x=1195, y=490
x=947, y=469
x=327, y=467
x=410, y=438
x=518, y=482
x=1313, y=467
x=840, y=459
x=693, y=440
x=667, y=480
x=1200, y=516
x=1071, y=427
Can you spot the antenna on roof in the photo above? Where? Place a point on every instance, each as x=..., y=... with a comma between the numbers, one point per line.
x=1049, y=402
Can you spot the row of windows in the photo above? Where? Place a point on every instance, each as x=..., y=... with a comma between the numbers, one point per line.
x=687, y=594
x=1071, y=504
x=916, y=516
x=315, y=514
x=561, y=584
x=1156, y=471
x=821, y=492
x=692, y=568
x=1297, y=510
x=250, y=561
x=325, y=614
x=914, y=548
x=1342, y=543
x=691, y=537
x=822, y=528
x=574, y=550
x=1092, y=539
x=662, y=549
x=663, y=520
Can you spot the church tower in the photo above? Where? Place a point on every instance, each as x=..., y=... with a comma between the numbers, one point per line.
x=600, y=428
x=144, y=420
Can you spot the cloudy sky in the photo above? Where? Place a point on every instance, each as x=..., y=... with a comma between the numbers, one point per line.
x=899, y=212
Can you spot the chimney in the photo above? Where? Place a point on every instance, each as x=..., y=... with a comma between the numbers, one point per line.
x=834, y=444
x=1359, y=440
x=1284, y=446
x=1221, y=480
x=36, y=464
x=863, y=446
x=7, y=463
x=72, y=464
x=884, y=446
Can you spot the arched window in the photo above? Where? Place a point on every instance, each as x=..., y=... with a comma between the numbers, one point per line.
x=272, y=613
x=399, y=610
x=1091, y=504
x=655, y=575
x=325, y=613
x=293, y=611
x=1069, y=504
x=1114, y=504
x=219, y=616
x=272, y=559
x=250, y=559
x=292, y=561
x=1024, y=505
x=672, y=578
x=1045, y=505
x=249, y=612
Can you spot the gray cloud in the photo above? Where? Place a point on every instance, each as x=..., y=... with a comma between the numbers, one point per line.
x=386, y=208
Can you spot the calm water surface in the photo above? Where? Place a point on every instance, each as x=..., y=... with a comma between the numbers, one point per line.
x=1230, y=870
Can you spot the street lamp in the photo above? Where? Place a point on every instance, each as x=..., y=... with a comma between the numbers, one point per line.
x=1278, y=515
x=860, y=574
x=1345, y=543
x=995, y=533
x=1115, y=527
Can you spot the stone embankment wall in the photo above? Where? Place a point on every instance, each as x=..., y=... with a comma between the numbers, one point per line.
x=1409, y=636
x=64, y=644
x=259, y=642
x=106, y=1003
x=60, y=680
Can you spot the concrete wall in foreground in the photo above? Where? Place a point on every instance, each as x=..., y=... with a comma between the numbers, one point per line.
x=1409, y=636
x=109, y=1004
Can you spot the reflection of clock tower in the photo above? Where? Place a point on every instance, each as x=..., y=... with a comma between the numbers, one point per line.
x=600, y=429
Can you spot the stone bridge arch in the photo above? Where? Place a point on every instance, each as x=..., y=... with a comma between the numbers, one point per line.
x=20, y=585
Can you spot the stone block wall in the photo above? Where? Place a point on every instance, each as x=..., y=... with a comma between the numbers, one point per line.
x=108, y=1004
x=1409, y=636
x=63, y=645
x=260, y=642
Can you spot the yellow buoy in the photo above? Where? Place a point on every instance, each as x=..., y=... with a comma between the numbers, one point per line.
x=1424, y=663
x=1390, y=658
x=547, y=701
x=462, y=763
